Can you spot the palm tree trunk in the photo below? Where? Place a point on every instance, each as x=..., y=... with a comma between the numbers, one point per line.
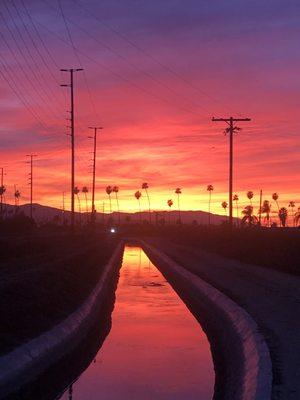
x=293, y=216
x=148, y=205
x=119, y=217
x=209, y=200
x=140, y=211
x=86, y=204
x=86, y=208
x=179, y=213
x=280, y=224
x=79, y=207
x=110, y=203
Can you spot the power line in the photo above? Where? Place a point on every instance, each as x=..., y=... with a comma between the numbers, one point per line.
x=140, y=88
x=130, y=64
x=36, y=71
x=149, y=55
x=38, y=52
x=21, y=98
x=27, y=77
x=52, y=59
x=77, y=57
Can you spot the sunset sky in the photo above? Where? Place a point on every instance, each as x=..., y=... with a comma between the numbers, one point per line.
x=155, y=73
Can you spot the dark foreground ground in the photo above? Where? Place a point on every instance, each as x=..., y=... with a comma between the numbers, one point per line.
x=44, y=276
x=47, y=274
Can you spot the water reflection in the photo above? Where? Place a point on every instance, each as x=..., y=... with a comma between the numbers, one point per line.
x=155, y=350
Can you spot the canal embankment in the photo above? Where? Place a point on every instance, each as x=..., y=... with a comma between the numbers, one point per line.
x=271, y=298
x=241, y=357
x=76, y=288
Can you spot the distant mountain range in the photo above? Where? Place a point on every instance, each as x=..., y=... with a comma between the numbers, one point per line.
x=43, y=213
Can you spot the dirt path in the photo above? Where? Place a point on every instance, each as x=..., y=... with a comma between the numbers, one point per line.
x=272, y=298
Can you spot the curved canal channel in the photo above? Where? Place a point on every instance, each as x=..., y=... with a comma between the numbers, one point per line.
x=156, y=349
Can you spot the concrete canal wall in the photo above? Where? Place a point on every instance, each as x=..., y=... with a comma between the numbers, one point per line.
x=241, y=356
x=26, y=362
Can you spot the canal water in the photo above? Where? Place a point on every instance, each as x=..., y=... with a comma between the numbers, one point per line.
x=155, y=350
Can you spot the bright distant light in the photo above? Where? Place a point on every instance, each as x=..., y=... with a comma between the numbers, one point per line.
x=112, y=230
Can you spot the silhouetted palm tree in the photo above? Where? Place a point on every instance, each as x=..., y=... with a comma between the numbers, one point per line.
x=297, y=217
x=170, y=203
x=275, y=198
x=292, y=206
x=85, y=190
x=115, y=189
x=236, y=199
x=108, y=191
x=138, y=195
x=17, y=195
x=76, y=192
x=224, y=204
x=266, y=209
x=248, y=217
x=145, y=186
x=210, y=188
x=178, y=192
x=250, y=196
x=283, y=214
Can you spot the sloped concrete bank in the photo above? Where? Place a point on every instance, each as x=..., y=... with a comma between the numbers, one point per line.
x=241, y=357
x=29, y=360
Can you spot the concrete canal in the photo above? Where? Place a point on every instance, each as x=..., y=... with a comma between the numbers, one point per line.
x=156, y=349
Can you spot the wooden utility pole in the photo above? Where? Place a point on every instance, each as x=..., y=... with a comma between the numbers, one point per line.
x=95, y=128
x=31, y=156
x=72, y=128
x=230, y=130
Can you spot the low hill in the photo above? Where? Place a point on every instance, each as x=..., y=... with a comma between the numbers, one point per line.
x=43, y=214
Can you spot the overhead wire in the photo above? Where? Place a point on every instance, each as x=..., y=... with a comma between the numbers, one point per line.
x=78, y=59
x=39, y=53
x=24, y=72
x=36, y=73
x=150, y=56
x=132, y=65
x=119, y=76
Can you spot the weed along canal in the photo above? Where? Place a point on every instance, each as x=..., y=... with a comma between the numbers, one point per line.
x=156, y=349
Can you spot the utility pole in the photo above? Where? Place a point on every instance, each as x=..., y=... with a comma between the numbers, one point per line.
x=31, y=156
x=230, y=130
x=72, y=128
x=95, y=128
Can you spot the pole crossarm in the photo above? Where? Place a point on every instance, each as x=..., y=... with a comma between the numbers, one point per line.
x=230, y=119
